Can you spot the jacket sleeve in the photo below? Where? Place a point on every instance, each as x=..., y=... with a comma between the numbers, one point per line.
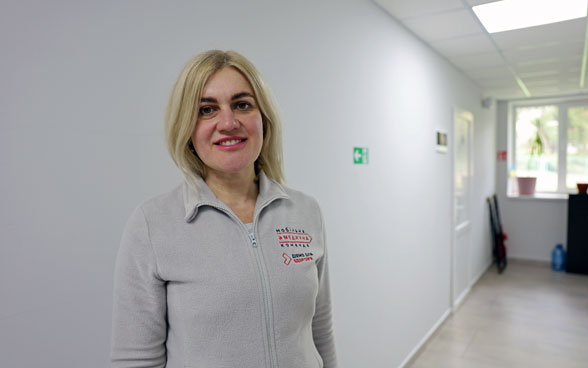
x=322, y=322
x=139, y=326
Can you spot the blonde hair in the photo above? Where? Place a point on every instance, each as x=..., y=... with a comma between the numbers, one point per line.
x=182, y=113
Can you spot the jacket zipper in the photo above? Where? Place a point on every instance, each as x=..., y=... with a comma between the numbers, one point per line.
x=254, y=244
x=265, y=297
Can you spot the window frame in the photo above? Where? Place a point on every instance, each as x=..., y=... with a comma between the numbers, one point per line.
x=562, y=104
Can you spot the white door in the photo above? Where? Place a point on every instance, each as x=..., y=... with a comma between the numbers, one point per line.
x=462, y=179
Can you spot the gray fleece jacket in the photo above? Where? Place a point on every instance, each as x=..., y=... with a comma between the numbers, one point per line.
x=195, y=288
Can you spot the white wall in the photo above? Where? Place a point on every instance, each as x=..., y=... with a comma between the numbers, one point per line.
x=84, y=86
x=533, y=226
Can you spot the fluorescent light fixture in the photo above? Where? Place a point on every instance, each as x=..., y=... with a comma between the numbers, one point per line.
x=507, y=15
x=584, y=59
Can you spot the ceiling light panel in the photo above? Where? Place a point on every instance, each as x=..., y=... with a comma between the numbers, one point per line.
x=507, y=15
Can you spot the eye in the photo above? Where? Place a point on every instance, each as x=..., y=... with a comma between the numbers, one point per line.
x=242, y=105
x=205, y=110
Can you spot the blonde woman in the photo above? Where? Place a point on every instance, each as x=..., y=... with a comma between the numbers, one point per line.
x=229, y=269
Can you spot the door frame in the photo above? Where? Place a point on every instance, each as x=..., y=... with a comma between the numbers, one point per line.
x=456, y=300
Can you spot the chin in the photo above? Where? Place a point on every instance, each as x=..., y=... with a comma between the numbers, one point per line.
x=234, y=169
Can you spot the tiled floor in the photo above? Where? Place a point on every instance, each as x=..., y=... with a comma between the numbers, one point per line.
x=529, y=316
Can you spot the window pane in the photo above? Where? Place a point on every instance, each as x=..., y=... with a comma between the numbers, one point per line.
x=577, y=150
x=536, y=145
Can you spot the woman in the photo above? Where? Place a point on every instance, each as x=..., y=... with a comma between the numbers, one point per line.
x=230, y=268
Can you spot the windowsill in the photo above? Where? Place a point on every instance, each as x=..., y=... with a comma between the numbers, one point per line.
x=540, y=196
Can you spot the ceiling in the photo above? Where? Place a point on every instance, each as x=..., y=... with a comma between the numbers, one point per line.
x=546, y=60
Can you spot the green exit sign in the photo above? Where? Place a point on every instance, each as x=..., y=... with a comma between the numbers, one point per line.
x=360, y=155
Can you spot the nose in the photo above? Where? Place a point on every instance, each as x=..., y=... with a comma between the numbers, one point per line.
x=226, y=119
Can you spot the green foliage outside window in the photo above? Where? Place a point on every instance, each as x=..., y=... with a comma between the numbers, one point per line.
x=537, y=140
x=537, y=145
x=577, y=148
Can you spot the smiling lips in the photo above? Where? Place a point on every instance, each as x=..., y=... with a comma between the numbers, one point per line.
x=230, y=143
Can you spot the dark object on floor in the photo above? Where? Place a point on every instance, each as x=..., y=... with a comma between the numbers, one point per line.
x=577, y=247
x=498, y=237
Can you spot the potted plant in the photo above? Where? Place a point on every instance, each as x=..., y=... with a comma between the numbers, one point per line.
x=527, y=183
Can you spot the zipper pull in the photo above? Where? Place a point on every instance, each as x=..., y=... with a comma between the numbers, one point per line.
x=253, y=241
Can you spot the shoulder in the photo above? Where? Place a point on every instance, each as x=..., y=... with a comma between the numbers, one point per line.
x=168, y=206
x=172, y=198
x=297, y=196
x=302, y=200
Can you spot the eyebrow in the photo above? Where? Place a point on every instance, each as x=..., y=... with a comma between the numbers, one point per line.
x=242, y=94
x=234, y=97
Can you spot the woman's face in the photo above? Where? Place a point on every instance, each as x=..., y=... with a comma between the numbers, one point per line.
x=228, y=136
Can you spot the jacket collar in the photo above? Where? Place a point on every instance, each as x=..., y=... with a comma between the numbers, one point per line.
x=197, y=193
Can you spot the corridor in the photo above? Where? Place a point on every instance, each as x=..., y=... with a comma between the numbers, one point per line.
x=529, y=316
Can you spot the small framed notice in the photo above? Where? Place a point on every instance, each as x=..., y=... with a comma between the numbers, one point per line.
x=441, y=141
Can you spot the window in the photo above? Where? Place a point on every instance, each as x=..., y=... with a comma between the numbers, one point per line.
x=577, y=146
x=551, y=144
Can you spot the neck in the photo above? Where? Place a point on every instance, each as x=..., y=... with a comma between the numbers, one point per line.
x=233, y=189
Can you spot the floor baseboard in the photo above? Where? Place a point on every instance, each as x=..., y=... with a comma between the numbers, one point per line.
x=529, y=261
x=421, y=345
x=418, y=348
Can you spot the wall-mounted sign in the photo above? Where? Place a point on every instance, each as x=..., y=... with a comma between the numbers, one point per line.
x=441, y=142
x=501, y=156
x=360, y=155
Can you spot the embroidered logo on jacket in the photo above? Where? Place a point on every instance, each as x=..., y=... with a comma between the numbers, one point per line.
x=297, y=258
x=292, y=237
x=287, y=259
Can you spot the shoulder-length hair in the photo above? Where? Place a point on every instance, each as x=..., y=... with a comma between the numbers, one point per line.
x=182, y=113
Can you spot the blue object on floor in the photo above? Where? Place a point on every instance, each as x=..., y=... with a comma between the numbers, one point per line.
x=558, y=258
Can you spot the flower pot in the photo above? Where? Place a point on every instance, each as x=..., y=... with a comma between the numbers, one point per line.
x=582, y=187
x=526, y=185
